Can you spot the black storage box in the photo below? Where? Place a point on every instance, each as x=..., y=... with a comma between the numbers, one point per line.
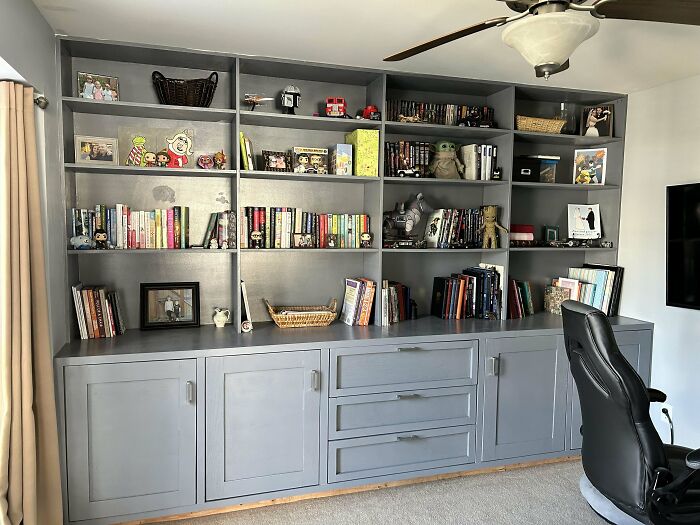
x=535, y=168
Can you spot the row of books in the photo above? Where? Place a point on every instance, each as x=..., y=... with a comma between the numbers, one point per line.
x=455, y=228
x=596, y=285
x=446, y=114
x=405, y=156
x=397, y=304
x=358, y=301
x=263, y=227
x=98, y=312
x=221, y=231
x=519, y=299
x=128, y=229
x=473, y=293
x=480, y=161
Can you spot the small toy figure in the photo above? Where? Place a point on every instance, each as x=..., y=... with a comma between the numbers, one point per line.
x=317, y=164
x=81, y=242
x=336, y=107
x=179, y=147
x=404, y=118
x=366, y=239
x=149, y=159
x=290, y=99
x=162, y=158
x=220, y=160
x=404, y=220
x=254, y=100
x=490, y=238
x=213, y=244
x=445, y=164
x=205, y=162
x=302, y=164
x=100, y=238
x=371, y=113
x=138, y=149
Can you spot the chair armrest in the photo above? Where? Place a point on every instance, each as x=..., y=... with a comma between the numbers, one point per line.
x=693, y=459
x=656, y=396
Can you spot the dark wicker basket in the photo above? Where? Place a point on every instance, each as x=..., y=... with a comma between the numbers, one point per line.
x=197, y=92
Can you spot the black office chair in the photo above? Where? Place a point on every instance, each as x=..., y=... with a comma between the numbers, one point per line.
x=630, y=477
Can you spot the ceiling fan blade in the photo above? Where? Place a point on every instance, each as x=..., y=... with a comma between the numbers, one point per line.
x=445, y=39
x=669, y=11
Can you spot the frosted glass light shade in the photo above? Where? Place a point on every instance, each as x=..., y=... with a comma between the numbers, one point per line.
x=549, y=38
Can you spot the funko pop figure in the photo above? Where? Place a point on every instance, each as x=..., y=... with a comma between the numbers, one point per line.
x=100, y=239
x=149, y=159
x=162, y=158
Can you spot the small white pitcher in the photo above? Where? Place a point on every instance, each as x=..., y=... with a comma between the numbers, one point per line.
x=221, y=317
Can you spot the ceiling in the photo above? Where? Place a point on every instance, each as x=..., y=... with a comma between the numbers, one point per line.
x=625, y=56
x=7, y=72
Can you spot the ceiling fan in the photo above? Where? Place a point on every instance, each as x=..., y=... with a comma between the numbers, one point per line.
x=547, y=32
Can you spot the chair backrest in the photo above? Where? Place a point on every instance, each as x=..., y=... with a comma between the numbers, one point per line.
x=621, y=448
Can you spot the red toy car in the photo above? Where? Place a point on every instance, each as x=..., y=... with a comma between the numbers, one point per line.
x=371, y=113
x=336, y=107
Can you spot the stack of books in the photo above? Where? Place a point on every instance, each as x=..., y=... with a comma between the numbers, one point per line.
x=446, y=114
x=98, y=312
x=596, y=285
x=519, y=299
x=473, y=293
x=221, y=231
x=454, y=228
x=397, y=304
x=129, y=229
x=480, y=161
x=406, y=158
x=358, y=301
x=295, y=228
x=522, y=232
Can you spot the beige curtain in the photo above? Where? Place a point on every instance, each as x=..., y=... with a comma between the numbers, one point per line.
x=30, y=490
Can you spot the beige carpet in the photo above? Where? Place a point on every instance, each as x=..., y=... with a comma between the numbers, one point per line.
x=535, y=496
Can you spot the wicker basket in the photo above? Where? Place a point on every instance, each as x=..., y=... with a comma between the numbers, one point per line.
x=540, y=125
x=318, y=316
x=198, y=92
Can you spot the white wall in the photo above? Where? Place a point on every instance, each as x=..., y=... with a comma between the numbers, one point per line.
x=662, y=148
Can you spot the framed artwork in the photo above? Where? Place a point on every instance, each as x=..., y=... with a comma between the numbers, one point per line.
x=584, y=221
x=589, y=166
x=276, y=161
x=89, y=150
x=551, y=233
x=597, y=121
x=169, y=305
x=94, y=86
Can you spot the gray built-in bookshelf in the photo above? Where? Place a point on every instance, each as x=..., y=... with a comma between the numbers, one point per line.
x=313, y=276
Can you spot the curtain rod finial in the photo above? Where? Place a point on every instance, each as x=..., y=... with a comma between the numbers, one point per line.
x=42, y=102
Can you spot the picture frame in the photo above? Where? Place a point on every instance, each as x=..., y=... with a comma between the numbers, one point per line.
x=96, y=150
x=590, y=166
x=280, y=161
x=584, y=221
x=597, y=121
x=551, y=233
x=95, y=86
x=169, y=305
x=303, y=240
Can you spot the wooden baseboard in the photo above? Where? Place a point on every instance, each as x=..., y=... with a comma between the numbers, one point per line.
x=349, y=490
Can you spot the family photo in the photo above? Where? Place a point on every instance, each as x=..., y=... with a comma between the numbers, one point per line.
x=96, y=149
x=98, y=87
x=166, y=305
x=597, y=121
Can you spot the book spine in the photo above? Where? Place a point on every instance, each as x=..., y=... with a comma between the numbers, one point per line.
x=171, y=228
x=100, y=332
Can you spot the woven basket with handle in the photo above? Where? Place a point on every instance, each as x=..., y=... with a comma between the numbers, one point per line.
x=304, y=316
x=540, y=125
x=198, y=92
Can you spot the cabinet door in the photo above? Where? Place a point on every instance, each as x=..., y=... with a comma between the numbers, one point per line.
x=262, y=416
x=524, y=396
x=636, y=347
x=130, y=437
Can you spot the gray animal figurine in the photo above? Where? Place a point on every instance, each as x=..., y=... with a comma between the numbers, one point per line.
x=404, y=220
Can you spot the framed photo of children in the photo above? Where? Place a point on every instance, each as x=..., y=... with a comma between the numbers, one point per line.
x=589, y=166
x=98, y=87
x=597, y=121
x=90, y=150
x=169, y=305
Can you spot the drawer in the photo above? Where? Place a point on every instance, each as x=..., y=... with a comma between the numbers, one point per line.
x=367, y=457
x=371, y=414
x=390, y=368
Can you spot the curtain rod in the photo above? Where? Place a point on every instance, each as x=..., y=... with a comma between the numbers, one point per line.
x=39, y=100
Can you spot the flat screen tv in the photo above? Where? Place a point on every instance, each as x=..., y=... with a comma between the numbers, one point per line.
x=683, y=246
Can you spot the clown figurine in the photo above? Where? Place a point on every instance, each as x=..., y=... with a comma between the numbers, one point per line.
x=179, y=147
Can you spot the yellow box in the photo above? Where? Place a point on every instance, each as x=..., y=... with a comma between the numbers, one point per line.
x=365, y=146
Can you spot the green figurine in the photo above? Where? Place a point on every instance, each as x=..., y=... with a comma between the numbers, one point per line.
x=445, y=164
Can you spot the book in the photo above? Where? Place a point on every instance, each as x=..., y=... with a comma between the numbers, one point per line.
x=365, y=147
x=350, y=301
x=245, y=306
x=97, y=312
x=553, y=297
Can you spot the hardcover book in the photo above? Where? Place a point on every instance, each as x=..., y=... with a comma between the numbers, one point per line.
x=553, y=297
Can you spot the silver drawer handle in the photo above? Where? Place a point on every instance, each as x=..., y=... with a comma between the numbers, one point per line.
x=413, y=437
x=408, y=396
x=409, y=349
x=494, y=366
x=315, y=380
x=189, y=391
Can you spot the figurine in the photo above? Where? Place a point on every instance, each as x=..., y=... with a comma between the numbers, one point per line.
x=366, y=239
x=404, y=118
x=445, y=164
x=162, y=158
x=214, y=244
x=221, y=317
x=81, y=242
x=100, y=239
x=205, y=162
x=336, y=107
x=371, y=113
x=254, y=100
x=290, y=99
x=179, y=147
x=138, y=150
x=490, y=238
x=149, y=159
x=220, y=160
x=403, y=221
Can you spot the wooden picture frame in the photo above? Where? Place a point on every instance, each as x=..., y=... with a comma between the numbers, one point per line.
x=169, y=305
x=96, y=150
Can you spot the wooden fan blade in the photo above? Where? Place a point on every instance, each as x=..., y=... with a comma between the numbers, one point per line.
x=445, y=39
x=669, y=11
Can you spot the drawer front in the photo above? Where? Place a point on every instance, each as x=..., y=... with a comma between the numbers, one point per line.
x=389, y=368
x=371, y=414
x=359, y=458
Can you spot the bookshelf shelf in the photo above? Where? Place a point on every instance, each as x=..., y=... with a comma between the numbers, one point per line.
x=572, y=140
x=310, y=250
x=549, y=249
x=439, y=182
x=282, y=120
x=443, y=250
x=565, y=187
x=441, y=130
x=149, y=172
x=144, y=110
x=277, y=175
x=150, y=251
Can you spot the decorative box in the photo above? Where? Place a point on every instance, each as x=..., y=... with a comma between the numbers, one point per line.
x=535, y=168
x=341, y=159
x=365, y=144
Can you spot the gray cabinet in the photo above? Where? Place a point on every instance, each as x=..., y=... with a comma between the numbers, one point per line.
x=635, y=345
x=130, y=437
x=524, y=396
x=262, y=423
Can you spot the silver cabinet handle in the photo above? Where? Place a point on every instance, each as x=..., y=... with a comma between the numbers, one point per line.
x=189, y=391
x=408, y=396
x=494, y=366
x=413, y=437
x=409, y=349
x=315, y=380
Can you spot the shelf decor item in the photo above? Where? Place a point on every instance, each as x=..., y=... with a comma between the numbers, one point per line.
x=539, y=125
x=93, y=86
x=290, y=97
x=89, y=150
x=589, y=166
x=597, y=121
x=302, y=316
x=445, y=164
x=277, y=161
x=310, y=160
x=169, y=305
x=490, y=239
x=584, y=221
x=221, y=317
x=341, y=159
x=156, y=147
x=365, y=148
x=197, y=92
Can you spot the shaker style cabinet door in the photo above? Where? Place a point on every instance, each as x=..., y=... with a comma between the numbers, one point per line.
x=262, y=414
x=524, y=396
x=131, y=440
